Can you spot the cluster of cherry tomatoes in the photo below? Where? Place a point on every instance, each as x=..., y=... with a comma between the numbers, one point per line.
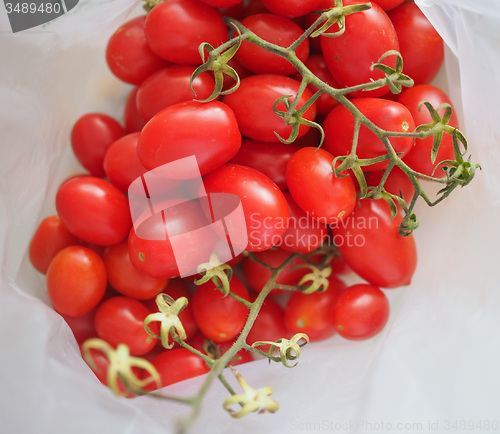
x=103, y=278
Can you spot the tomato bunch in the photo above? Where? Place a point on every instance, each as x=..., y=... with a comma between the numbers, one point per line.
x=104, y=270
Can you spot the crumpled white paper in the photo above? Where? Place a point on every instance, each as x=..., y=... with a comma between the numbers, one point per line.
x=435, y=367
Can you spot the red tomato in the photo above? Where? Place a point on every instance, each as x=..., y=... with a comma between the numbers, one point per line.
x=91, y=137
x=253, y=103
x=254, y=7
x=269, y=325
x=258, y=155
x=176, y=28
x=169, y=86
x=315, y=188
x=220, y=318
x=120, y=320
x=291, y=8
x=134, y=122
x=125, y=278
x=221, y=3
x=361, y=311
x=82, y=326
x=50, y=237
x=94, y=210
x=208, y=131
x=150, y=246
x=264, y=206
x=235, y=11
x=388, y=115
x=177, y=364
x=277, y=30
x=256, y=275
x=176, y=289
x=389, y=4
x=121, y=163
x=420, y=44
x=419, y=158
x=76, y=280
x=371, y=245
x=219, y=348
x=304, y=234
x=128, y=54
x=368, y=35
x=311, y=313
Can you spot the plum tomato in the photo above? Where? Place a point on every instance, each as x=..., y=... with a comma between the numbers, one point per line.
x=387, y=5
x=174, y=30
x=169, y=86
x=121, y=163
x=388, y=115
x=370, y=243
x=291, y=8
x=316, y=189
x=277, y=30
x=420, y=44
x=419, y=158
x=177, y=364
x=264, y=206
x=304, y=234
x=361, y=311
x=128, y=54
x=132, y=119
x=312, y=313
x=209, y=131
x=150, y=246
x=91, y=136
x=76, y=281
x=368, y=35
x=253, y=103
x=120, y=320
x=125, y=278
x=397, y=183
x=50, y=237
x=220, y=318
x=258, y=155
x=94, y=210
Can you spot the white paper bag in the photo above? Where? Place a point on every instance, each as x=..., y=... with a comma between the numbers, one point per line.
x=433, y=369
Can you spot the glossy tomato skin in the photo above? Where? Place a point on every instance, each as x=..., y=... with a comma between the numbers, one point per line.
x=169, y=86
x=222, y=3
x=420, y=44
x=277, y=30
x=304, y=234
x=120, y=320
x=50, y=237
x=369, y=34
x=258, y=155
x=315, y=188
x=372, y=247
x=291, y=8
x=132, y=119
x=253, y=102
x=91, y=136
x=125, y=278
x=76, y=281
x=209, y=131
x=121, y=163
x=94, y=210
x=177, y=364
x=419, y=158
x=388, y=115
x=151, y=250
x=311, y=313
x=220, y=318
x=387, y=5
x=128, y=54
x=176, y=28
x=360, y=312
x=264, y=206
